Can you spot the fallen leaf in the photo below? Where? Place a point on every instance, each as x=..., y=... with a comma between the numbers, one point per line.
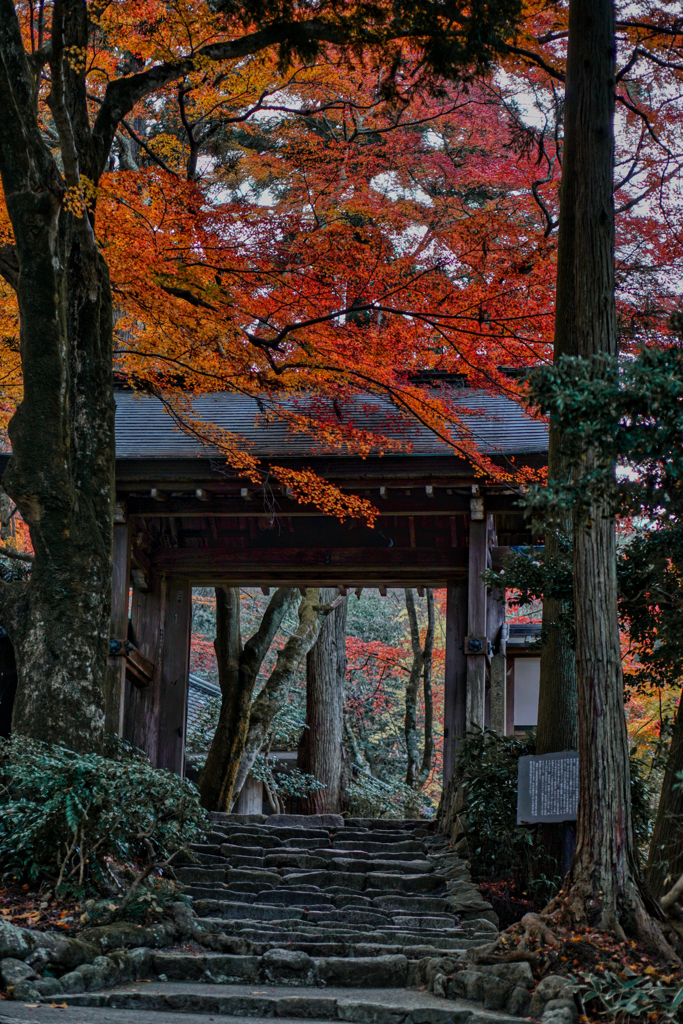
x=59, y=1006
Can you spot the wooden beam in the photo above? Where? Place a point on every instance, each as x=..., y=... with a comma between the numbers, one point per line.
x=141, y=720
x=174, y=675
x=264, y=564
x=390, y=470
x=476, y=622
x=495, y=624
x=230, y=505
x=455, y=675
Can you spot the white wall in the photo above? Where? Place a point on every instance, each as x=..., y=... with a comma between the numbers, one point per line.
x=527, y=676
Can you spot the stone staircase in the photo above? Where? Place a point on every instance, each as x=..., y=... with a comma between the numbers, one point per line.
x=324, y=905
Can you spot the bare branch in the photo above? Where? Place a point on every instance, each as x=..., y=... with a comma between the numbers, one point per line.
x=23, y=556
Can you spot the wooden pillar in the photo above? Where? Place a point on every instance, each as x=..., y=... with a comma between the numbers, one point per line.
x=115, y=685
x=141, y=714
x=495, y=631
x=510, y=697
x=476, y=622
x=455, y=682
x=174, y=675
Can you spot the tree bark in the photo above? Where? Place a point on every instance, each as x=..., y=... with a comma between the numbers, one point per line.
x=238, y=669
x=665, y=859
x=602, y=886
x=417, y=770
x=321, y=746
x=263, y=710
x=61, y=472
x=558, y=697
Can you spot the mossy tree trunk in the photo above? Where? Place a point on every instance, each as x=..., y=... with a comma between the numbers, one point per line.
x=238, y=669
x=321, y=749
x=61, y=473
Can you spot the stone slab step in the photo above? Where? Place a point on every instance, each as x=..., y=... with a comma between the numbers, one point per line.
x=391, y=823
x=187, y=1002
x=374, y=849
x=283, y=967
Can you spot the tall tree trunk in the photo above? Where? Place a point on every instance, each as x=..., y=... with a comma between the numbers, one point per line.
x=602, y=885
x=61, y=473
x=428, y=745
x=558, y=696
x=421, y=669
x=321, y=747
x=238, y=669
x=665, y=859
x=263, y=710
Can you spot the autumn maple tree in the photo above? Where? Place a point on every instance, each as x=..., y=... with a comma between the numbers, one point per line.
x=135, y=168
x=75, y=81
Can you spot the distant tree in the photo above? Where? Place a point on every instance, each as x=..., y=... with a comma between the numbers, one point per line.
x=321, y=747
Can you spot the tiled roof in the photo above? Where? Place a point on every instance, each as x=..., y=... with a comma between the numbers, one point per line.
x=144, y=430
x=523, y=634
x=199, y=693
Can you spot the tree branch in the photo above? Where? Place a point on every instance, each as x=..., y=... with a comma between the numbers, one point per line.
x=23, y=556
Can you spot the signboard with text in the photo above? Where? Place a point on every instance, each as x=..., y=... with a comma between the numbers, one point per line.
x=548, y=787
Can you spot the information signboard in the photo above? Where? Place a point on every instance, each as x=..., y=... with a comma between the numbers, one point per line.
x=548, y=787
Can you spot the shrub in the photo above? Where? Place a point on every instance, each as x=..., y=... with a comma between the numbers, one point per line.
x=632, y=996
x=498, y=846
x=370, y=797
x=86, y=823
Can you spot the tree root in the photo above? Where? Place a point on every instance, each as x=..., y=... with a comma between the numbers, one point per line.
x=531, y=929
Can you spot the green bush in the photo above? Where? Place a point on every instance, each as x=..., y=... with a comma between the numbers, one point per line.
x=631, y=997
x=498, y=846
x=83, y=823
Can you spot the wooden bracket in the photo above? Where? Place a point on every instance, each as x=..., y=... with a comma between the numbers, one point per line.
x=138, y=667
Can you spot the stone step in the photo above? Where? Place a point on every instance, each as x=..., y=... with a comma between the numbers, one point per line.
x=391, y=823
x=283, y=967
x=391, y=850
x=373, y=1006
x=413, y=904
x=276, y=835
x=387, y=881
x=308, y=925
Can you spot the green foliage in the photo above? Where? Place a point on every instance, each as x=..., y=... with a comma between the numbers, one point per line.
x=498, y=846
x=292, y=783
x=370, y=797
x=84, y=823
x=634, y=997
x=150, y=900
x=533, y=575
x=629, y=412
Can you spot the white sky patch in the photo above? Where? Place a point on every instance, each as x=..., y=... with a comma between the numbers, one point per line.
x=387, y=184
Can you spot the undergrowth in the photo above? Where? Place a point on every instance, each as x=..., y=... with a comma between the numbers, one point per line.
x=87, y=825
